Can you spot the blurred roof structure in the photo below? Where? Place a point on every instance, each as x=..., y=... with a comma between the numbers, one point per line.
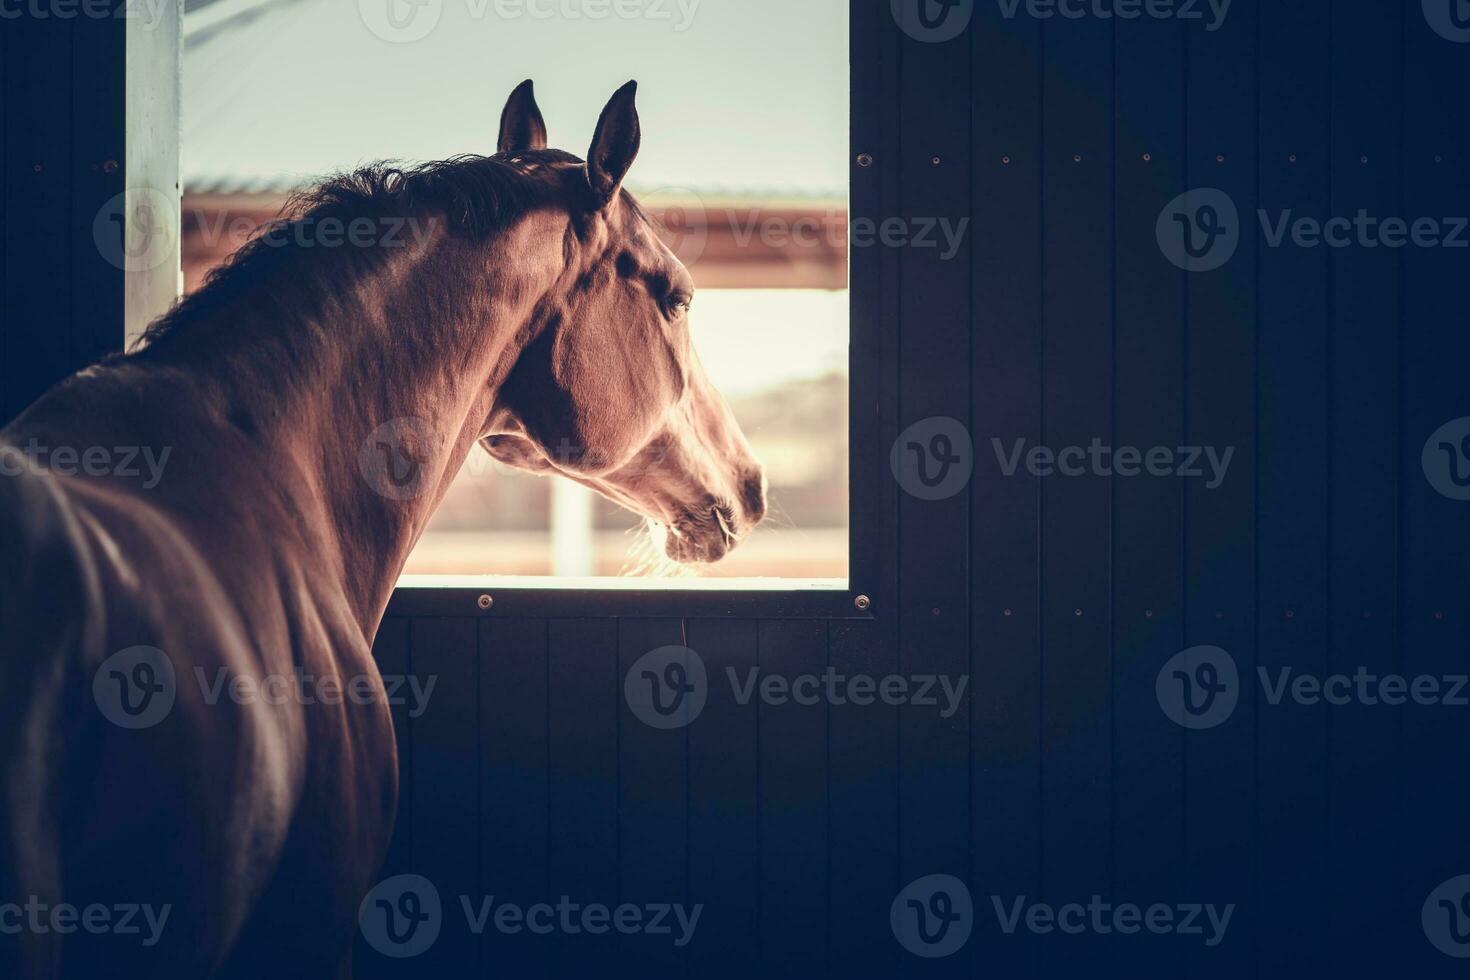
x=737, y=97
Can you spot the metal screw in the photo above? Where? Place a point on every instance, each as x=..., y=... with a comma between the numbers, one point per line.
x=485, y=602
x=1005, y=160
x=1292, y=158
x=936, y=161
x=109, y=166
x=1147, y=157
x=861, y=603
x=865, y=160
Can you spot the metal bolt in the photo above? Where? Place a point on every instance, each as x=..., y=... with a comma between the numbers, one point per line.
x=865, y=160
x=861, y=603
x=936, y=161
x=485, y=602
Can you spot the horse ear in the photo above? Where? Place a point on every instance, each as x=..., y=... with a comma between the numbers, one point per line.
x=521, y=125
x=615, y=145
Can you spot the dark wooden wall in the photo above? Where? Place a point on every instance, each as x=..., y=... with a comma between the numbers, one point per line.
x=76, y=87
x=1325, y=549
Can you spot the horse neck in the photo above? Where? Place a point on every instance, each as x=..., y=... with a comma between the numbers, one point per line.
x=414, y=348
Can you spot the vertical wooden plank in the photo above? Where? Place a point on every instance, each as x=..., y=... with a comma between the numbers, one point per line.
x=1434, y=546
x=862, y=775
x=1366, y=132
x=652, y=799
x=1077, y=357
x=792, y=747
x=934, y=383
x=1005, y=739
x=514, y=695
x=1219, y=511
x=391, y=653
x=586, y=690
x=96, y=173
x=863, y=844
x=1291, y=589
x=1147, y=571
x=446, y=753
x=723, y=806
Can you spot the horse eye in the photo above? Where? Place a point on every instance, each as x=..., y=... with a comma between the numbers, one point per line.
x=679, y=304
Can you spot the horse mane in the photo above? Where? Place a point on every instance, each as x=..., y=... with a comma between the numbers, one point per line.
x=476, y=195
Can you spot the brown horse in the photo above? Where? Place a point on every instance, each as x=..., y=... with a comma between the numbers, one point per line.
x=161, y=814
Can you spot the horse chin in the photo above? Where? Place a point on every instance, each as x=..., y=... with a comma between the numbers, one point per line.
x=697, y=541
x=687, y=551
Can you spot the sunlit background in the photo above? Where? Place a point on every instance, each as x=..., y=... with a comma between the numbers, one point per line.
x=744, y=107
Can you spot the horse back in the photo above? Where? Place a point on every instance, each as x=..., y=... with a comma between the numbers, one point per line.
x=50, y=611
x=178, y=813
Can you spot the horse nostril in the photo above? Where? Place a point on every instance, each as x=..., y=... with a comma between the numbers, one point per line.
x=754, y=498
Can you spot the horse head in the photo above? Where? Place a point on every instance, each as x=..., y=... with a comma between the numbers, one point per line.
x=609, y=392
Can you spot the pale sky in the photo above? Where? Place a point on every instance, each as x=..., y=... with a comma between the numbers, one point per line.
x=735, y=95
